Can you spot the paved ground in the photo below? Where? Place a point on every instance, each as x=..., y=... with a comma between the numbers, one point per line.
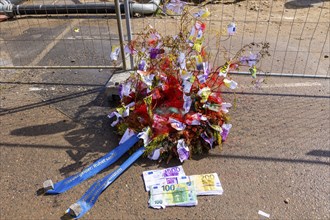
x=276, y=160
x=53, y=124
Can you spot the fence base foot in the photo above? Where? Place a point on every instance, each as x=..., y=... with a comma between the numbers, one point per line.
x=112, y=86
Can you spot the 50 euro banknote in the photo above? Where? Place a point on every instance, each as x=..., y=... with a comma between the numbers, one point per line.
x=182, y=194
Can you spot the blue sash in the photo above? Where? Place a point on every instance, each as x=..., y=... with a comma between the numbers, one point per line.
x=87, y=201
x=94, y=168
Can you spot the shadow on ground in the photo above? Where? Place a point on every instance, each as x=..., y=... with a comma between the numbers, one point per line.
x=300, y=4
x=96, y=137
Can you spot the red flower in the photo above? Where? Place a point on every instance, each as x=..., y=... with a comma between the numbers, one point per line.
x=215, y=97
x=203, y=26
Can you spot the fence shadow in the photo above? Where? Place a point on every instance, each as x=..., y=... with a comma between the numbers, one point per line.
x=90, y=142
x=48, y=83
x=269, y=159
x=65, y=17
x=101, y=89
x=44, y=129
x=319, y=153
x=300, y=4
x=49, y=101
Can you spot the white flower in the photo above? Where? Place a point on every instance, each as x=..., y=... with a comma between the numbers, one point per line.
x=128, y=133
x=225, y=106
x=145, y=136
x=230, y=83
x=111, y=115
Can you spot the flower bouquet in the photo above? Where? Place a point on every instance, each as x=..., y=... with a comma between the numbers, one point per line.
x=174, y=95
x=172, y=101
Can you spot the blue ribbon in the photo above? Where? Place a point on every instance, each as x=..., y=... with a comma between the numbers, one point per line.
x=94, y=168
x=87, y=201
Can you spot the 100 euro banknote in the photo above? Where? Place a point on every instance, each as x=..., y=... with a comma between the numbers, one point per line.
x=162, y=177
x=182, y=194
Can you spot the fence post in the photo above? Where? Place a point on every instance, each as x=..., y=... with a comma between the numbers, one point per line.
x=120, y=33
x=128, y=27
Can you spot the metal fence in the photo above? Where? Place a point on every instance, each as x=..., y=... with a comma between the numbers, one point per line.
x=297, y=30
x=58, y=40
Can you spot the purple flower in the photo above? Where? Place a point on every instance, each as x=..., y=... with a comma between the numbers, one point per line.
x=199, y=66
x=206, y=69
x=118, y=117
x=129, y=50
x=124, y=89
x=244, y=60
x=142, y=65
x=250, y=60
x=182, y=150
x=187, y=103
x=175, y=6
x=177, y=125
x=182, y=61
x=225, y=131
x=253, y=58
x=120, y=90
x=153, y=53
x=201, y=78
x=209, y=140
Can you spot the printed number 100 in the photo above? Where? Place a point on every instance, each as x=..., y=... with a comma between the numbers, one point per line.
x=168, y=188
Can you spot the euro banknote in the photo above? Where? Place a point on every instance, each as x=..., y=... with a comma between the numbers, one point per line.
x=162, y=177
x=207, y=184
x=182, y=194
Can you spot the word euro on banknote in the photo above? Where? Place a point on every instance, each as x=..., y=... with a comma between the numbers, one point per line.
x=182, y=194
x=162, y=177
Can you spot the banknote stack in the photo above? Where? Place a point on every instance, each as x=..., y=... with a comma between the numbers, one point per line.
x=162, y=177
x=207, y=184
x=172, y=187
x=182, y=194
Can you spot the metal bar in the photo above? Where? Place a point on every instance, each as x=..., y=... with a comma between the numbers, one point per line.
x=312, y=37
x=120, y=33
x=284, y=75
x=326, y=41
x=17, y=2
x=88, y=8
x=61, y=67
x=129, y=28
x=299, y=43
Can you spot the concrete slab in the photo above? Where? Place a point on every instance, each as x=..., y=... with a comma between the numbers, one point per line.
x=113, y=85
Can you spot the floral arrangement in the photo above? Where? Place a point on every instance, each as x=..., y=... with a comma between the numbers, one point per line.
x=174, y=95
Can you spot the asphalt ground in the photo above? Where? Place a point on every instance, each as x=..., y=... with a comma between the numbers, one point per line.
x=275, y=160
x=54, y=123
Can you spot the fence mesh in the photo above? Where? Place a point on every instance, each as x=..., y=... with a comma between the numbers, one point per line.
x=298, y=33
x=72, y=40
